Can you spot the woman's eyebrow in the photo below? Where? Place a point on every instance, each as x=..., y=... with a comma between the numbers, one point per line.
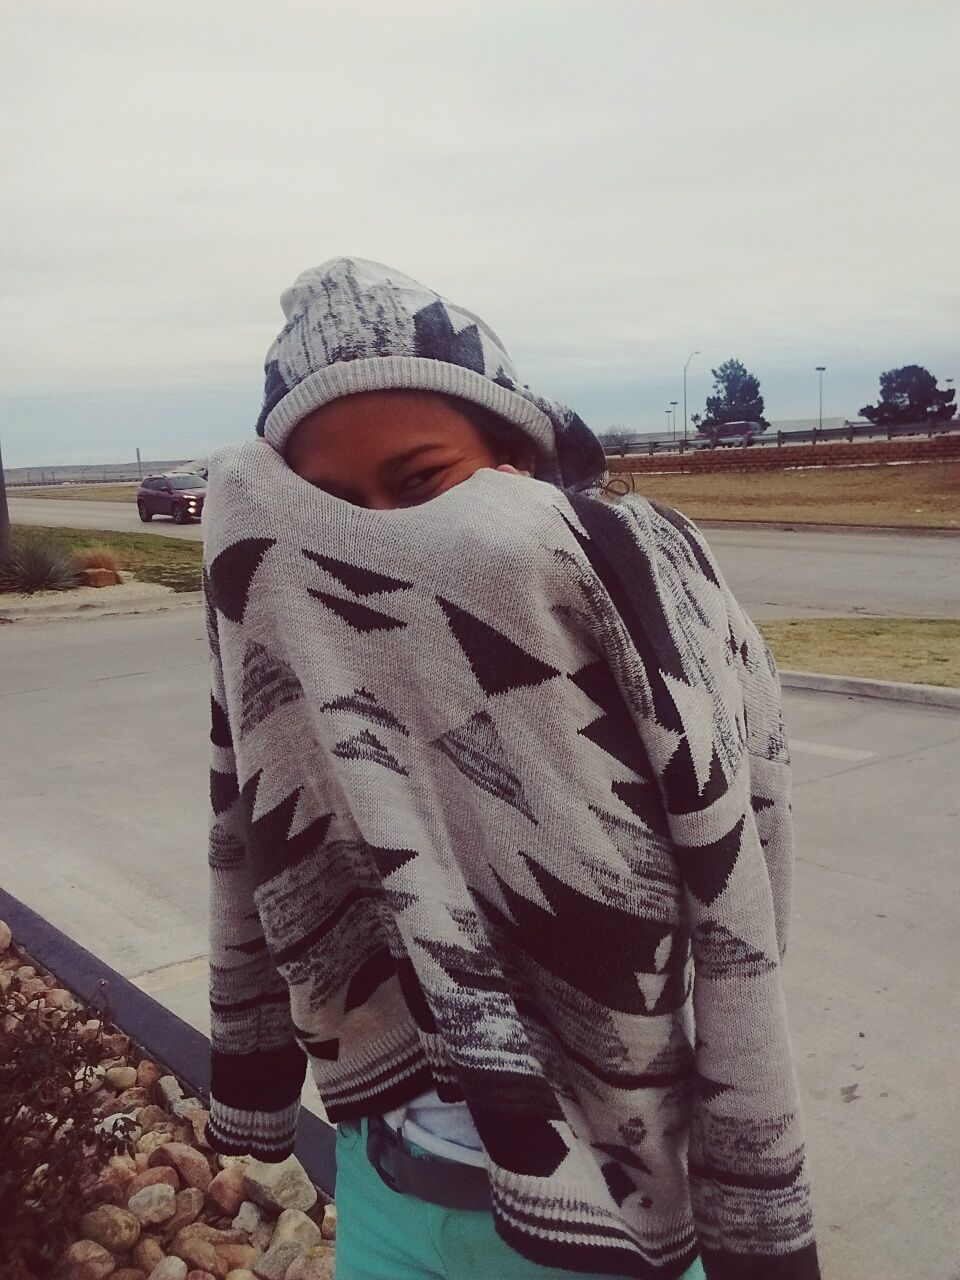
x=399, y=459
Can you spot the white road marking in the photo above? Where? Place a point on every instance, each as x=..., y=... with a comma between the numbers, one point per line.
x=827, y=749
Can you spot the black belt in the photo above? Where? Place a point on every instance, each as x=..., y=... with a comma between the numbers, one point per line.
x=444, y=1182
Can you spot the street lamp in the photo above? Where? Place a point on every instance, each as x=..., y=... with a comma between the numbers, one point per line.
x=673, y=429
x=669, y=411
x=689, y=358
x=821, y=369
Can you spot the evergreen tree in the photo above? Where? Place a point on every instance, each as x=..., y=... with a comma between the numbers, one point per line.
x=736, y=397
x=910, y=394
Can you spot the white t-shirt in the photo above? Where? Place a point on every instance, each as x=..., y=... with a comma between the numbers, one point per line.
x=443, y=1128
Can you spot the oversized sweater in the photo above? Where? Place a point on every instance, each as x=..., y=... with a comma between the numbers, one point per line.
x=500, y=798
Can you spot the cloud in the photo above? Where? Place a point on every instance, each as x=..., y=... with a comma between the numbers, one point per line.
x=609, y=184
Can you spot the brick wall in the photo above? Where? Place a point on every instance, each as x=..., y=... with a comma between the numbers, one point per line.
x=771, y=458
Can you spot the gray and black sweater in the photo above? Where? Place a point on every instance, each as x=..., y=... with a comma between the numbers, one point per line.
x=500, y=801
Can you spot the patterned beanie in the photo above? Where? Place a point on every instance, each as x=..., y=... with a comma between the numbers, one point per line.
x=355, y=325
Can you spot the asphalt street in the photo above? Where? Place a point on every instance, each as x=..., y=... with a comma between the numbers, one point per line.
x=103, y=793
x=773, y=573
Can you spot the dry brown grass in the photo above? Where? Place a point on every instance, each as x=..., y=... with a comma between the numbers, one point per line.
x=915, y=650
x=95, y=558
x=912, y=495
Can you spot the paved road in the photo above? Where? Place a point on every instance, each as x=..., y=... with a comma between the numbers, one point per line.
x=773, y=573
x=102, y=791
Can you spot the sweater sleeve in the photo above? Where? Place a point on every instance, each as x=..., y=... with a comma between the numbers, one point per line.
x=706, y=699
x=257, y=1067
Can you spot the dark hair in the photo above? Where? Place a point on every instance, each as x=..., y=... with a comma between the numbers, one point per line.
x=511, y=443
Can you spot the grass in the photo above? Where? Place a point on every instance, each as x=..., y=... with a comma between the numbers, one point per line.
x=173, y=562
x=125, y=492
x=923, y=494
x=915, y=650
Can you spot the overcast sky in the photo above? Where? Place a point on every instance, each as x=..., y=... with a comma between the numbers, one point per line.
x=610, y=185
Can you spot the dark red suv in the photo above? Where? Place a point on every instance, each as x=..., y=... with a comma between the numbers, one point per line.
x=177, y=495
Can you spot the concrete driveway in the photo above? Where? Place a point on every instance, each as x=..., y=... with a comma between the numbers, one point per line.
x=774, y=573
x=103, y=792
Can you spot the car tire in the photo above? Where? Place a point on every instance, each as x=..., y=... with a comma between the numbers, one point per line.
x=145, y=515
x=178, y=514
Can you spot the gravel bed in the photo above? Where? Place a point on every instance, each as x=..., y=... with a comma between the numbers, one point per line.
x=164, y=1206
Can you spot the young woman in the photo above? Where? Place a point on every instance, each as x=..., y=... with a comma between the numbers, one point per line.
x=501, y=839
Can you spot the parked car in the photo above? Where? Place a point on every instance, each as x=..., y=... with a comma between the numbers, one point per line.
x=728, y=434
x=176, y=495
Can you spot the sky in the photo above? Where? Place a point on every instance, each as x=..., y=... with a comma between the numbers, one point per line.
x=611, y=185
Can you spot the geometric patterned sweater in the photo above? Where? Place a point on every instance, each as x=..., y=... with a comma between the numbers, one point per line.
x=500, y=797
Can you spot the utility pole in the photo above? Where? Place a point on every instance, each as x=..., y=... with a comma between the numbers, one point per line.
x=821, y=369
x=689, y=358
x=673, y=429
x=668, y=421
x=4, y=516
x=139, y=468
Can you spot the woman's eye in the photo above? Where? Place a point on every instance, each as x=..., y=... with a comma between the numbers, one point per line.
x=418, y=479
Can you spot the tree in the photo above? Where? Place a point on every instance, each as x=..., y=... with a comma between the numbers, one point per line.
x=910, y=394
x=736, y=397
x=616, y=437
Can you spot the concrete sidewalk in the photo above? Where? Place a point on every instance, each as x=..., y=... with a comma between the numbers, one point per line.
x=103, y=791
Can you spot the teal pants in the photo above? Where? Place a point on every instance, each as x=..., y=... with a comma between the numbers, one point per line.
x=382, y=1235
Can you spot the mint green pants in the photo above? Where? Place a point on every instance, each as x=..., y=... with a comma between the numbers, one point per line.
x=385, y=1236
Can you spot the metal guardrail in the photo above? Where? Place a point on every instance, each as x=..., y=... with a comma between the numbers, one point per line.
x=780, y=439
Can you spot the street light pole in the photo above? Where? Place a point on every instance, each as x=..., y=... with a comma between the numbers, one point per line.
x=668, y=422
x=673, y=429
x=821, y=368
x=689, y=358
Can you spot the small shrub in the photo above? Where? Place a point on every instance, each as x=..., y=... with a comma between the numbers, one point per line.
x=95, y=558
x=48, y=1135
x=34, y=567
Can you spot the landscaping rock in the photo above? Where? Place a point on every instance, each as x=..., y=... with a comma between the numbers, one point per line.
x=60, y=998
x=150, y=1116
x=241, y=1273
x=119, y=1125
x=279, y=1186
x=200, y=1275
x=122, y=1077
x=329, y=1224
x=169, y=1090
x=275, y=1262
x=153, y=1178
x=169, y=1269
x=248, y=1218
x=86, y=1260
x=158, y=1137
x=226, y=1191
x=236, y=1256
x=6, y=937
x=148, y=1074
x=318, y=1264
x=129, y=1273
x=147, y=1252
x=293, y=1224
x=189, y=1206
x=154, y=1204
x=116, y=1229
x=192, y=1167
x=200, y=1254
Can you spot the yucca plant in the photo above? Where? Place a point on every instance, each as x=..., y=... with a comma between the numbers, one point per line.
x=34, y=567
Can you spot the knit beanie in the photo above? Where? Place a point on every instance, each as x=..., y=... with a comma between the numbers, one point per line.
x=355, y=325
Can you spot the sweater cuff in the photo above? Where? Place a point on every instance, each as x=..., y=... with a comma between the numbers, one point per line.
x=801, y=1265
x=266, y=1135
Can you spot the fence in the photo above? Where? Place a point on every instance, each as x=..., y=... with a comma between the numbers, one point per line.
x=693, y=462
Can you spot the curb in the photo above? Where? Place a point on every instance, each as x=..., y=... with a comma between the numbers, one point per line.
x=170, y=1041
x=925, y=695
x=800, y=526
x=55, y=612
